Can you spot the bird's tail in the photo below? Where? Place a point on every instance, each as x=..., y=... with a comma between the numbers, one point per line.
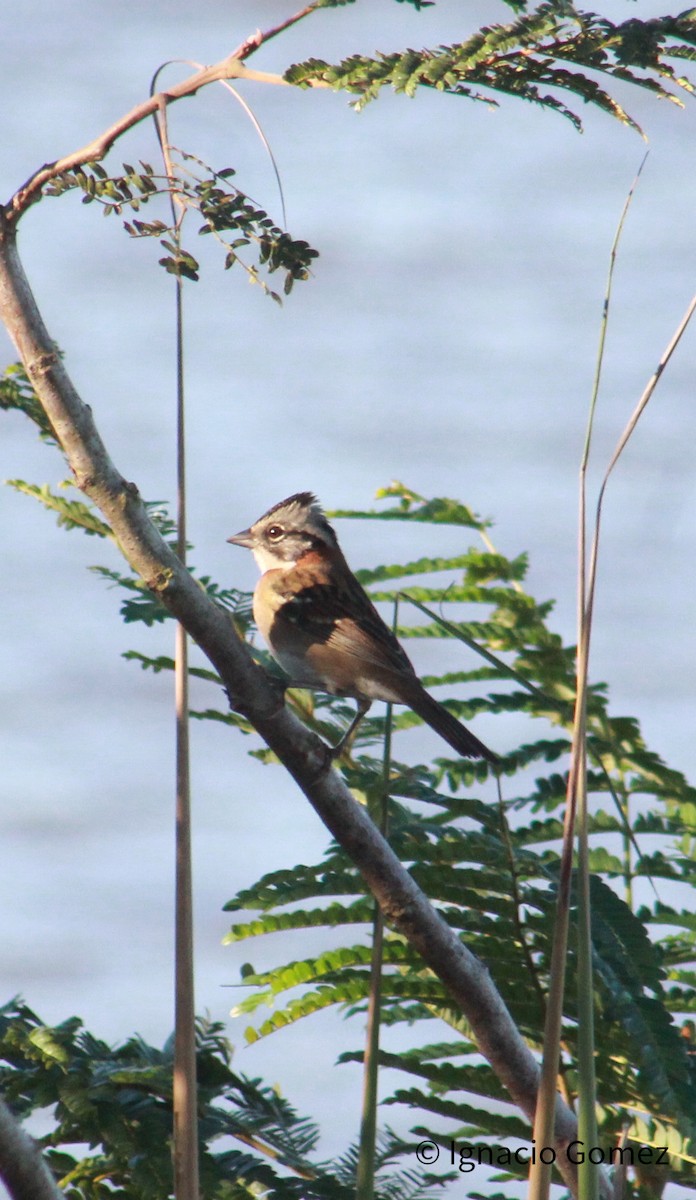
x=441, y=720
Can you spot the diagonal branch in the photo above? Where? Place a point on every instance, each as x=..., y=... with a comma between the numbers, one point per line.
x=251, y=44
x=405, y=907
x=22, y=1169
x=231, y=67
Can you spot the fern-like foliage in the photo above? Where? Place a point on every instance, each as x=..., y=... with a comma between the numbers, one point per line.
x=490, y=868
x=544, y=54
x=109, y=1113
x=118, y=1103
x=17, y=394
x=72, y=514
x=235, y=220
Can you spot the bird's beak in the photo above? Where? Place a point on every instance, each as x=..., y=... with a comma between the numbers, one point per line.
x=245, y=538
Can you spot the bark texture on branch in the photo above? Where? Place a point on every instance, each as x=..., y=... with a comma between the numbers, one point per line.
x=22, y=1169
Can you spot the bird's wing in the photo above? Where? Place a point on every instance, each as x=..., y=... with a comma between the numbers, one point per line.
x=342, y=617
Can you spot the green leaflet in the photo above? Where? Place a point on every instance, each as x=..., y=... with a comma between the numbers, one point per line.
x=227, y=213
x=17, y=394
x=334, y=915
x=118, y=1099
x=72, y=514
x=542, y=56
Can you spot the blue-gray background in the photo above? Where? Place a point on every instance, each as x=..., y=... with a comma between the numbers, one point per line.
x=447, y=339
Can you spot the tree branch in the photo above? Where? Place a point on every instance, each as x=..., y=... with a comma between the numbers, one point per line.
x=405, y=907
x=22, y=1169
x=251, y=44
x=231, y=67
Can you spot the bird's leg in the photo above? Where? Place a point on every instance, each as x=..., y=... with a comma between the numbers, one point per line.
x=346, y=740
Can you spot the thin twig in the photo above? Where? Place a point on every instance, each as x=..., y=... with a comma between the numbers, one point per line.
x=621, y=446
x=252, y=43
x=367, y=1153
x=267, y=145
x=185, y=1085
x=231, y=67
x=582, y=518
x=576, y=790
x=247, y=109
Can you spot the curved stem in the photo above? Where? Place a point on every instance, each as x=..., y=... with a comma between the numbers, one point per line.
x=231, y=67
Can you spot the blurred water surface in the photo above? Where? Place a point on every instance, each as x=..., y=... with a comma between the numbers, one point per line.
x=448, y=339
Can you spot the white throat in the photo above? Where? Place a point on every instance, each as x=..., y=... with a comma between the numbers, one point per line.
x=266, y=560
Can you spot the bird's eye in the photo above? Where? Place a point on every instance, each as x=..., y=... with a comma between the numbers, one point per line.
x=274, y=533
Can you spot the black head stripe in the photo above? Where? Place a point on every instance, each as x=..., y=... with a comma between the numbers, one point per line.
x=301, y=499
x=300, y=516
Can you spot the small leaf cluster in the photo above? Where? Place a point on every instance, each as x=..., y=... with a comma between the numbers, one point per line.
x=140, y=603
x=17, y=395
x=552, y=46
x=131, y=189
x=227, y=212
x=109, y=1112
x=72, y=514
x=117, y=1104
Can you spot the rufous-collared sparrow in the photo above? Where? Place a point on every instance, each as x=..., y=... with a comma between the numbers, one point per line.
x=322, y=627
